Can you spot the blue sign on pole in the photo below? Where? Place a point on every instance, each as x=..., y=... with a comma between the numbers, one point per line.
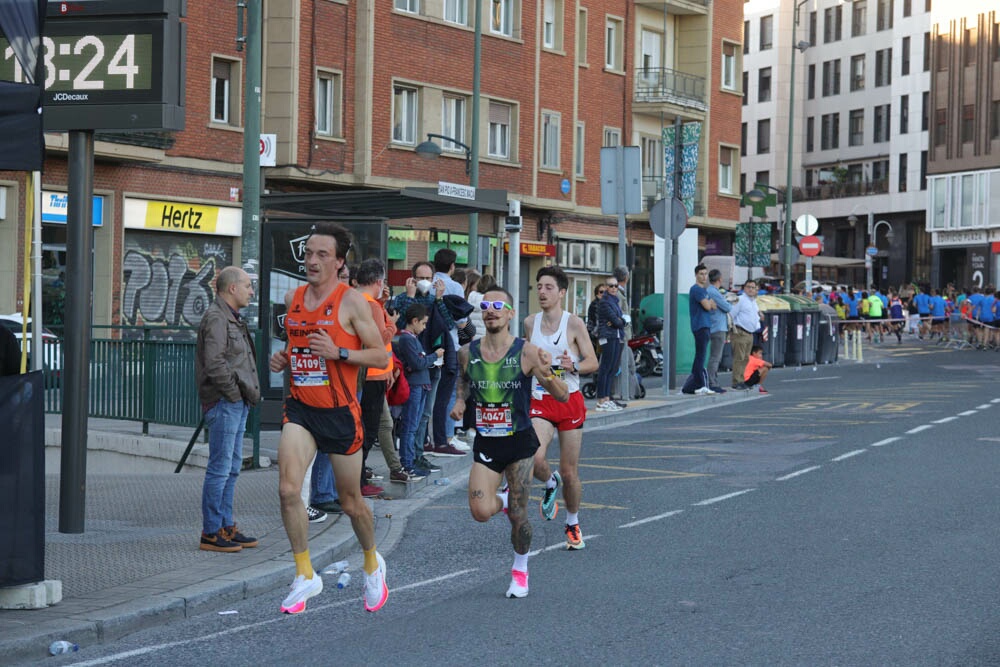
x=56, y=204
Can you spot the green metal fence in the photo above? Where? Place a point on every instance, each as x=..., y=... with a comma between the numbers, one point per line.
x=141, y=374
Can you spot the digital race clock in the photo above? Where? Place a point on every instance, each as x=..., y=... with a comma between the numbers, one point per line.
x=109, y=65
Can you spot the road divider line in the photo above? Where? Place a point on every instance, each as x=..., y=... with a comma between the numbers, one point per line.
x=790, y=475
x=249, y=626
x=922, y=428
x=966, y=413
x=848, y=455
x=719, y=499
x=558, y=545
x=983, y=406
x=883, y=443
x=649, y=519
x=944, y=420
x=995, y=400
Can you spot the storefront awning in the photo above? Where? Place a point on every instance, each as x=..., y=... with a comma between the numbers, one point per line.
x=385, y=204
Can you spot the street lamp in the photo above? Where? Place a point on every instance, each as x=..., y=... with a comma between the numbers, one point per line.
x=872, y=229
x=787, y=231
x=430, y=150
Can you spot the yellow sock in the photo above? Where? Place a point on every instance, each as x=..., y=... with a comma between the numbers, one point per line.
x=303, y=565
x=371, y=563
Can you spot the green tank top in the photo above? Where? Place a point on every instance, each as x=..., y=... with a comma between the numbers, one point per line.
x=500, y=392
x=874, y=306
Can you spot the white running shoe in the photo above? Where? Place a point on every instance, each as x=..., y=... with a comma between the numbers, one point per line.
x=459, y=444
x=609, y=406
x=302, y=590
x=376, y=590
x=703, y=391
x=518, y=584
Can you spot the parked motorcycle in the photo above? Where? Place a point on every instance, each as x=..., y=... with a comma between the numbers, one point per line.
x=646, y=347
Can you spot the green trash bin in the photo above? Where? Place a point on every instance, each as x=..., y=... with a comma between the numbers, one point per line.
x=652, y=306
x=803, y=330
x=773, y=334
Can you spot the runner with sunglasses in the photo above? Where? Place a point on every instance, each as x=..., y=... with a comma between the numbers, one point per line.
x=495, y=381
x=564, y=336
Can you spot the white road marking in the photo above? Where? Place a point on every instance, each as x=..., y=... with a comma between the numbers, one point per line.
x=796, y=473
x=559, y=545
x=995, y=400
x=883, y=443
x=983, y=406
x=849, y=455
x=719, y=499
x=240, y=628
x=919, y=429
x=813, y=379
x=945, y=420
x=651, y=518
x=966, y=413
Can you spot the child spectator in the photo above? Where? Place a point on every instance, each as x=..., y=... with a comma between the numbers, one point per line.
x=757, y=369
x=415, y=367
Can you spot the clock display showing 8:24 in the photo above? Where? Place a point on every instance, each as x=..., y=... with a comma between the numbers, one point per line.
x=89, y=62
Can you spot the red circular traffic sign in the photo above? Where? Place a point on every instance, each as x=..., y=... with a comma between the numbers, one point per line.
x=810, y=246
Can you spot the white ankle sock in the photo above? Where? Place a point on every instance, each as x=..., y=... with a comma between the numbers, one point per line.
x=502, y=495
x=521, y=562
x=572, y=518
x=551, y=483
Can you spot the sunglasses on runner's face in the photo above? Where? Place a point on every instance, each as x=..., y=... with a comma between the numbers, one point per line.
x=495, y=305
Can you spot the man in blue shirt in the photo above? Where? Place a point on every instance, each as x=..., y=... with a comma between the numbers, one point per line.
x=938, y=318
x=700, y=306
x=719, y=329
x=923, y=302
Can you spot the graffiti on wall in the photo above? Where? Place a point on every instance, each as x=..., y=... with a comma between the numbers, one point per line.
x=169, y=280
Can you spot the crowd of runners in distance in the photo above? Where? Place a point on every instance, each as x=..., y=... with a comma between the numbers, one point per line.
x=965, y=316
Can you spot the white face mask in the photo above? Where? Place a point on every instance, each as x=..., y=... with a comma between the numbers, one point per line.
x=423, y=286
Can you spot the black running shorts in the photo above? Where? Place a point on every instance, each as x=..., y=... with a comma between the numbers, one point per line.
x=498, y=453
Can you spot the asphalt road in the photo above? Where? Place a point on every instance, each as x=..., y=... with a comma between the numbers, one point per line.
x=848, y=518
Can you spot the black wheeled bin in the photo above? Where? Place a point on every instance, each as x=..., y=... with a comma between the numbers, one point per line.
x=773, y=332
x=829, y=335
x=803, y=330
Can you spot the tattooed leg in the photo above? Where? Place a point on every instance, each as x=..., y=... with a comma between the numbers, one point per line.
x=519, y=481
x=483, y=500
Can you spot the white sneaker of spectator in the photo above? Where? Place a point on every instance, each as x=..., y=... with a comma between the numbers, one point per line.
x=459, y=444
x=703, y=391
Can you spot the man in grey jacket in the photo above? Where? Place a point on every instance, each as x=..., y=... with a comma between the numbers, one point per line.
x=226, y=373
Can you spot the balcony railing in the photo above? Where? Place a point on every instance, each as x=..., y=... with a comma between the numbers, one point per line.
x=653, y=191
x=660, y=84
x=840, y=190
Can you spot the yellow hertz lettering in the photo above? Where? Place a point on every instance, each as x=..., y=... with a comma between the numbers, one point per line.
x=181, y=217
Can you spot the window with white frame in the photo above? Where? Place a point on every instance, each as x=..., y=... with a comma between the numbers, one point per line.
x=613, y=35
x=499, y=130
x=457, y=11
x=225, y=85
x=651, y=150
x=727, y=162
x=328, y=98
x=502, y=17
x=581, y=36
x=550, y=140
x=404, y=115
x=552, y=28
x=453, y=122
x=410, y=6
x=612, y=136
x=729, y=68
x=580, y=134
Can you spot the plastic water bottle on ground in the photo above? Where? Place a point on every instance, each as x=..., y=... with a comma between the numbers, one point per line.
x=344, y=580
x=62, y=646
x=442, y=481
x=337, y=568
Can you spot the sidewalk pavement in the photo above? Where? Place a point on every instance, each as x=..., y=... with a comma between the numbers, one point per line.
x=138, y=564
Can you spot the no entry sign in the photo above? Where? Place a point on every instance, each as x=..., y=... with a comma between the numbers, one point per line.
x=810, y=246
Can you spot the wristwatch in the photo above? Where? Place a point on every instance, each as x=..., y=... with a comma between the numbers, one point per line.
x=575, y=368
x=343, y=353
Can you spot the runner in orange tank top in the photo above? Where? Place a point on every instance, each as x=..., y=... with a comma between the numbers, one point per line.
x=331, y=334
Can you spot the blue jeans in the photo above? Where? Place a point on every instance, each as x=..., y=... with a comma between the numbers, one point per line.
x=701, y=339
x=421, y=436
x=225, y=422
x=611, y=355
x=413, y=412
x=442, y=397
x=322, y=488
